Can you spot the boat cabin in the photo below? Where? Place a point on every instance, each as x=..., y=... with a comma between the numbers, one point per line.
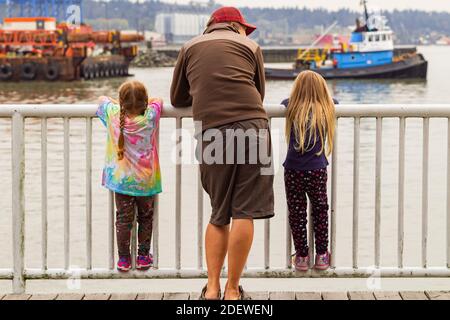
x=372, y=45
x=372, y=41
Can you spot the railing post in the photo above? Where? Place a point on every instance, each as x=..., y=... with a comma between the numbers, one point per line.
x=88, y=193
x=44, y=207
x=111, y=229
x=66, y=193
x=356, y=157
x=401, y=192
x=178, y=196
x=18, y=209
x=200, y=211
x=425, y=168
x=448, y=193
x=156, y=219
x=334, y=176
x=156, y=233
x=288, y=242
x=378, y=163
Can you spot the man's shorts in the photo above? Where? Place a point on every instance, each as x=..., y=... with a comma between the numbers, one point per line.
x=236, y=170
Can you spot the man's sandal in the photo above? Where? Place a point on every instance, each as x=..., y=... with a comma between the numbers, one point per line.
x=203, y=294
x=242, y=295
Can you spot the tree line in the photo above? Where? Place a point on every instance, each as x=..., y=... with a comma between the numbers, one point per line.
x=409, y=25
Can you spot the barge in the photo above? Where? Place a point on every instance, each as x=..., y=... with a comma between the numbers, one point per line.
x=37, y=48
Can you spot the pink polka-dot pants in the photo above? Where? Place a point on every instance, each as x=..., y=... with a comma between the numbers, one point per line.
x=301, y=185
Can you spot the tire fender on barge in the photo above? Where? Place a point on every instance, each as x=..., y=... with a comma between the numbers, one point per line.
x=28, y=71
x=51, y=72
x=6, y=71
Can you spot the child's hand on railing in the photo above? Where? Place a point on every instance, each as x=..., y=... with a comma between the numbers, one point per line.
x=102, y=99
x=151, y=100
x=157, y=100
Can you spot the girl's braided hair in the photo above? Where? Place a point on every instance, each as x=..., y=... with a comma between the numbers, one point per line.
x=133, y=100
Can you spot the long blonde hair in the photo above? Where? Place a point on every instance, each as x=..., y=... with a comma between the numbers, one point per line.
x=311, y=110
x=133, y=100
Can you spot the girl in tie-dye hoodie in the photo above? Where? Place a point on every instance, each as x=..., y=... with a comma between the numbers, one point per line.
x=132, y=169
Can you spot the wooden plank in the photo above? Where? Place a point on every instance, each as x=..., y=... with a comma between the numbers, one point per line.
x=70, y=296
x=308, y=296
x=281, y=296
x=361, y=295
x=413, y=295
x=11, y=297
x=261, y=295
x=96, y=296
x=149, y=296
x=334, y=296
x=438, y=295
x=123, y=296
x=387, y=295
x=50, y=296
x=176, y=296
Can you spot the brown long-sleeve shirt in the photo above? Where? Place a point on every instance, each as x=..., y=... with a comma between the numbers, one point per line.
x=221, y=75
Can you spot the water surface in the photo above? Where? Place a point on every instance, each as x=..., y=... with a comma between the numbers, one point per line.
x=434, y=90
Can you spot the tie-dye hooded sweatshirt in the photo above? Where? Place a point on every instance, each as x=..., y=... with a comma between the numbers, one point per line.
x=138, y=173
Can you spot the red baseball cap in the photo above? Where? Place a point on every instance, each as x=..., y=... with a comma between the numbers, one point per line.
x=231, y=14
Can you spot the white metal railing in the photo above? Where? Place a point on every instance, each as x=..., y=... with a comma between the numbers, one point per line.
x=19, y=274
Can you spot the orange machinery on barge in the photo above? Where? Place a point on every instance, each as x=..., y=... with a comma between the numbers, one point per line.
x=39, y=49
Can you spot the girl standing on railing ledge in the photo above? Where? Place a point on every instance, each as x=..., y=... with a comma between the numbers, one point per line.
x=310, y=124
x=132, y=168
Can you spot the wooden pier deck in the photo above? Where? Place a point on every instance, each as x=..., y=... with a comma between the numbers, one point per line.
x=357, y=295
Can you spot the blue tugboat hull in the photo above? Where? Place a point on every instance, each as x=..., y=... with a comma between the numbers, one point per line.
x=413, y=67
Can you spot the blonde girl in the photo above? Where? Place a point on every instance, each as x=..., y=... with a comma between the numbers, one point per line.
x=310, y=125
x=132, y=167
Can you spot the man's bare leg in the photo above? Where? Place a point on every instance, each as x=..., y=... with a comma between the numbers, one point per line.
x=216, y=244
x=239, y=245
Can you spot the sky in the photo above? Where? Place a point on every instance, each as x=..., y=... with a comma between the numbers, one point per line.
x=428, y=5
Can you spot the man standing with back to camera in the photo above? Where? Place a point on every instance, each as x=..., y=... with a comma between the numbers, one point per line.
x=221, y=75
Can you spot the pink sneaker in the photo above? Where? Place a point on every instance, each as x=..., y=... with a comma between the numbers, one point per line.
x=144, y=262
x=300, y=263
x=322, y=261
x=124, y=264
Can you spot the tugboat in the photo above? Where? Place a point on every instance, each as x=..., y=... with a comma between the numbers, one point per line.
x=370, y=54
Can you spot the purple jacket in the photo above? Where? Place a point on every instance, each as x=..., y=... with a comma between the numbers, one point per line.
x=307, y=161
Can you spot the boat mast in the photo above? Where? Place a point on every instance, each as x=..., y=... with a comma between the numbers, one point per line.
x=331, y=27
x=366, y=12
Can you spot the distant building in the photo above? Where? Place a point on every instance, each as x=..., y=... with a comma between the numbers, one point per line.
x=178, y=28
x=444, y=41
x=156, y=39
